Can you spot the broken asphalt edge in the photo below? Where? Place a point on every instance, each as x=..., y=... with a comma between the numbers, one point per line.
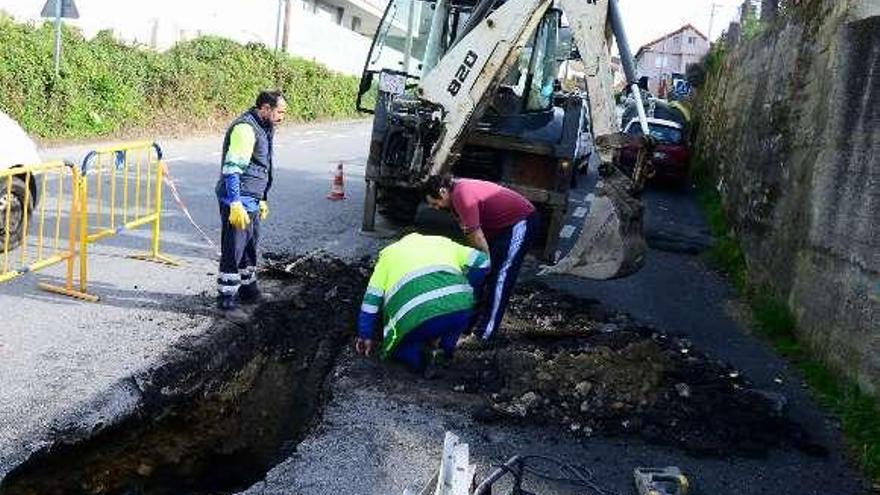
x=186, y=370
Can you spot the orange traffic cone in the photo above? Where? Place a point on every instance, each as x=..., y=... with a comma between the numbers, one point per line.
x=337, y=185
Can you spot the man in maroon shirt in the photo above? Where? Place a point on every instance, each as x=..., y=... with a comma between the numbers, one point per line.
x=497, y=221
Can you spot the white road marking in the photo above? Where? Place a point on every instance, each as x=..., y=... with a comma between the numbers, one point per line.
x=566, y=231
x=579, y=212
x=176, y=159
x=590, y=197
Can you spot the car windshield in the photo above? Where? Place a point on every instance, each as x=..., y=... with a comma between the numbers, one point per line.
x=663, y=134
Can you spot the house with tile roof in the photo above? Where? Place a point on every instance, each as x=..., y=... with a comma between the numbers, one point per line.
x=668, y=57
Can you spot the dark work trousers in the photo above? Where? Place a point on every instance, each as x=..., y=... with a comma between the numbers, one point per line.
x=448, y=328
x=507, y=251
x=238, y=254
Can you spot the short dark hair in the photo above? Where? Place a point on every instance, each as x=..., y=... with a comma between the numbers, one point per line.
x=268, y=98
x=434, y=183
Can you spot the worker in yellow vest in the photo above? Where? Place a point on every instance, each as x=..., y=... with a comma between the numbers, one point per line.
x=424, y=287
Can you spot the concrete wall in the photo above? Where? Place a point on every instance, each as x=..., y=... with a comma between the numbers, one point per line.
x=319, y=38
x=791, y=128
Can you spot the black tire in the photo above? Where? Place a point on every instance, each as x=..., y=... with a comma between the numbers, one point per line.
x=16, y=210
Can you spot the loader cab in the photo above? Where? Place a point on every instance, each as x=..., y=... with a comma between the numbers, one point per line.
x=414, y=34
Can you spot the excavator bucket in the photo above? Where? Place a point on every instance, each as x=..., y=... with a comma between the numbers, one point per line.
x=611, y=243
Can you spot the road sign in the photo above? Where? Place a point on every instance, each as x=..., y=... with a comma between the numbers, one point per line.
x=68, y=9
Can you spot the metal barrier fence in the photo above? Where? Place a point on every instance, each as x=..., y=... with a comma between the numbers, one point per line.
x=120, y=189
x=38, y=221
x=117, y=188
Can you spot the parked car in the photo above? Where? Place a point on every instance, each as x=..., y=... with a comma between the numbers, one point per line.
x=17, y=149
x=670, y=159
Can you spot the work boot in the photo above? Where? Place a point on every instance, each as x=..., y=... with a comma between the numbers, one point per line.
x=229, y=309
x=251, y=294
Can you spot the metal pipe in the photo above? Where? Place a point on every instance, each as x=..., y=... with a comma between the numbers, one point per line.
x=479, y=13
x=626, y=59
x=512, y=466
x=432, y=48
x=410, y=21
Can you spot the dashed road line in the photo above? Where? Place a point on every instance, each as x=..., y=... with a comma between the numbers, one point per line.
x=567, y=231
x=579, y=212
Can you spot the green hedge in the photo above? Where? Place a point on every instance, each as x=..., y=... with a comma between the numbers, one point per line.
x=106, y=86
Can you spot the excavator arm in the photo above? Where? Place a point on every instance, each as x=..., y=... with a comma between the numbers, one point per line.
x=460, y=87
x=462, y=83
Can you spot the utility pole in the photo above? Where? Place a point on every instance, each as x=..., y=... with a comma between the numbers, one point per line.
x=285, y=38
x=278, y=15
x=712, y=21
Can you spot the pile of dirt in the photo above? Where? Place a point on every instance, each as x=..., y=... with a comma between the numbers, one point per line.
x=323, y=277
x=565, y=361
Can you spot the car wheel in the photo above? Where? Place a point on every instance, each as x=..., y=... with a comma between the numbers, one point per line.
x=13, y=202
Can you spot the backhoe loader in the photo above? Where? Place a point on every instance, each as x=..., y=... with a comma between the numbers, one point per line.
x=470, y=87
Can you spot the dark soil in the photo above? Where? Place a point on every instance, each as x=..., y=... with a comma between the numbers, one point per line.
x=564, y=361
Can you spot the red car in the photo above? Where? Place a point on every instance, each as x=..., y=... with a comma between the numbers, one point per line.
x=671, y=157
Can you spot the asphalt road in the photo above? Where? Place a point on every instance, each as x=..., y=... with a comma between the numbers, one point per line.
x=64, y=362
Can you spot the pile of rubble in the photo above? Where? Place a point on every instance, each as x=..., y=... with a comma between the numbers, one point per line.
x=563, y=360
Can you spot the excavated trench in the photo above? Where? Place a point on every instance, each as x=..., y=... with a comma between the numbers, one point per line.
x=227, y=406
x=222, y=408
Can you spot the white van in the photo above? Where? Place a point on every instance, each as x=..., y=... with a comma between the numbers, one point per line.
x=16, y=149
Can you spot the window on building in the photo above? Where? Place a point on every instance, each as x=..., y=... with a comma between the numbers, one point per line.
x=660, y=61
x=676, y=40
x=355, y=23
x=692, y=40
x=340, y=13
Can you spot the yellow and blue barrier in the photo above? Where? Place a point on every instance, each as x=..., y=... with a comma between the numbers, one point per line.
x=38, y=221
x=116, y=188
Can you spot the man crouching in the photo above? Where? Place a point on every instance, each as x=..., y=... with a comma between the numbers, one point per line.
x=424, y=286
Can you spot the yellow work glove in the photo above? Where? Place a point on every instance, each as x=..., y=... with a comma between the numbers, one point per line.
x=238, y=216
x=264, y=209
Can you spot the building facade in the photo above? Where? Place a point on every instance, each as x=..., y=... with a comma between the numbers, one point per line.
x=668, y=57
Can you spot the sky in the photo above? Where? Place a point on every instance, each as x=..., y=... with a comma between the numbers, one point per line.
x=645, y=20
